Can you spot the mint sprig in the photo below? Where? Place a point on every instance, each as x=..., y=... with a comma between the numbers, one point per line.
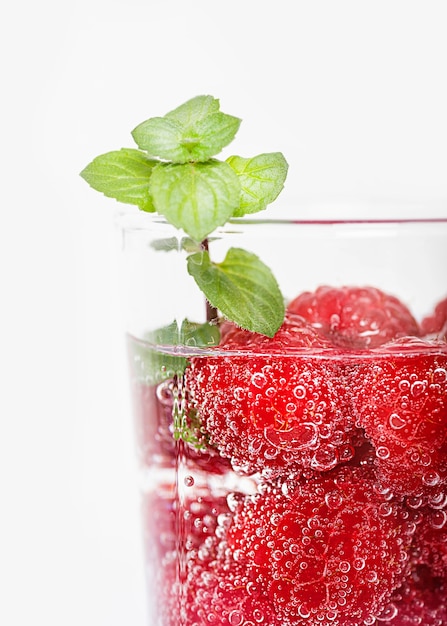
x=242, y=287
x=175, y=173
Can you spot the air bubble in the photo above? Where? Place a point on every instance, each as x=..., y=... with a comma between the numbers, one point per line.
x=396, y=421
x=359, y=564
x=239, y=394
x=333, y=499
x=303, y=611
x=404, y=386
x=425, y=460
x=259, y=380
x=418, y=388
x=344, y=567
x=299, y=392
x=188, y=481
x=235, y=618
x=258, y=616
x=165, y=394
x=438, y=500
x=251, y=588
x=438, y=519
x=440, y=375
x=431, y=478
x=388, y=614
x=325, y=458
x=234, y=500
x=372, y=577
x=382, y=452
x=385, y=509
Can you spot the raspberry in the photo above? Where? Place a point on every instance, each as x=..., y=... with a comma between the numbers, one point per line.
x=179, y=532
x=419, y=602
x=400, y=396
x=355, y=317
x=430, y=543
x=268, y=410
x=436, y=323
x=332, y=550
x=222, y=592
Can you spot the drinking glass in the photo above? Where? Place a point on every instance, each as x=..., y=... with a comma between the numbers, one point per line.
x=299, y=479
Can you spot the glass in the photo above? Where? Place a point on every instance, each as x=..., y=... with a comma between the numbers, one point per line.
x=299, y=480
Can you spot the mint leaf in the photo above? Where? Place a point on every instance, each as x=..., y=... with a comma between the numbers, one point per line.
x=197, y=197
x=242, y=287
x=262, y=179
x=154, y=358
x=194, y=110
x=162, y=137
x=195, y=131
x=122, y=174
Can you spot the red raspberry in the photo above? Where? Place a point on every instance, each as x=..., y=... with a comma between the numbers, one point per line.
x=331, y=551
x=400, y=395
x=178, y=533
x=436, y=323
x=430, y=543
x=355, y=317
x=270, y=404
x=223, y=592
x=419, y=602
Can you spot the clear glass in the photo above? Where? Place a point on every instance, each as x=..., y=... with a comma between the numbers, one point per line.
x=300, y=480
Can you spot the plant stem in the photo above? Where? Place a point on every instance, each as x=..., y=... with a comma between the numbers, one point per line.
x=211, y=311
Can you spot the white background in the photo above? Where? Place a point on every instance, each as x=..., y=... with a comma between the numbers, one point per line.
x=355, y=95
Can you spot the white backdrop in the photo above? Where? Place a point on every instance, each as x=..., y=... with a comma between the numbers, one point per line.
x=354, y=93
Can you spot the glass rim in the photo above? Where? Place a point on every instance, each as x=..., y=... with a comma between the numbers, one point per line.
x=135, y=219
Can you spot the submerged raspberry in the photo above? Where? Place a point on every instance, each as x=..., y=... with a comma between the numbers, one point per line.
x=355, y=317
x=218, y=591
x=332, y=551
x=268, y=410
x=400, y=397
x=436, y=323
x=430, y=543
x=419, y=602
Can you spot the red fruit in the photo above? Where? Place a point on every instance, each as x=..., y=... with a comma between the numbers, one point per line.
x=179, y=532
x=331, y=551
x=430, y=543
x=400, y=396
x=419, y=602
x=436, y=323
x=355, y=317
x=270, y=404
x=217, y=591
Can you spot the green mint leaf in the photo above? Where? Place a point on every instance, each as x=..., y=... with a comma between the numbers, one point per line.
x=161, y=137
x=196, y=197
x=188, y=428
x=242, y=287
x=195, y=131
x=262, y=179
x=194, y=110
x=154, y=359
x=122, y=174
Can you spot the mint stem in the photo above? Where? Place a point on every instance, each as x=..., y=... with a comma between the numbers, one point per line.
x=211, y=312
